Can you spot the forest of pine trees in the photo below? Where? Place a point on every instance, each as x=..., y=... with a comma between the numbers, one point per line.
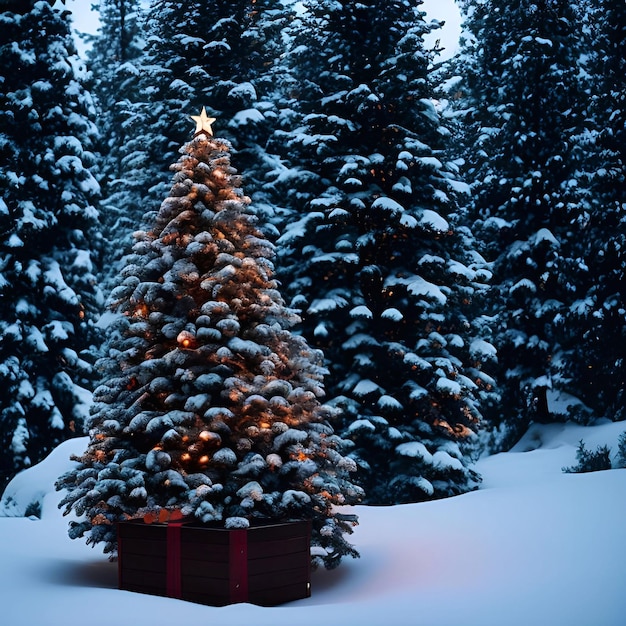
x=49, y=236
x=537, y=113
x=437, y=247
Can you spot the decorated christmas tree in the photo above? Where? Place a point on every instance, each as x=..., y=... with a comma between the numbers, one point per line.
x=209, y=406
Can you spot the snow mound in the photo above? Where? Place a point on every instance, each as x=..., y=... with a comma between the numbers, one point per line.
x=537, y=546
x=25, y=494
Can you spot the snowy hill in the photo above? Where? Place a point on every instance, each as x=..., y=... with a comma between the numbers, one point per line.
x=533, y=546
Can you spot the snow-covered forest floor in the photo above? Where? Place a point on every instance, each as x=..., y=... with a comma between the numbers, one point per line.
x=533, y=546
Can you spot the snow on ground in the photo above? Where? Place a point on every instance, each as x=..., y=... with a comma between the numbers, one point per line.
x=532, y=547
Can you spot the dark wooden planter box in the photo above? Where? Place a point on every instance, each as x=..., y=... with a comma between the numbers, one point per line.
x=266, y=564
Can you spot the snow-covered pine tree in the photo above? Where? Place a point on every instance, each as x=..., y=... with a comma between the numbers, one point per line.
x=218, y=53
x=526, y=100
x=48, y=296
x=598, y=327
x=113, y=60
x=209, y=404
x=374, y=254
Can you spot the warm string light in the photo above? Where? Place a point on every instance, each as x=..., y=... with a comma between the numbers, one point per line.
x=141, y=310
x=300, y=456
x=186, y=340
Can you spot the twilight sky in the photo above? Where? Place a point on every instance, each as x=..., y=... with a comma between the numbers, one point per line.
x=86, y=20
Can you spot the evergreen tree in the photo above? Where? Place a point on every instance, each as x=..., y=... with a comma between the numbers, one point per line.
x=218, y=53
x=48, y=296
x=527, y=103
x=209, y=405
x=599, y=315
x=113, y=61
x=374, y=253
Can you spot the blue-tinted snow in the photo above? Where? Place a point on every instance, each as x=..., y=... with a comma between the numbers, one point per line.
x=388, y=402
x=361, y=311
x=434, y=220
x=365, y=387
x=532, y=546
x=447, y=386
x=392, y=314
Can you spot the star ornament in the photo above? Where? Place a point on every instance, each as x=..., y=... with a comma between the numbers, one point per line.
x=203, y=123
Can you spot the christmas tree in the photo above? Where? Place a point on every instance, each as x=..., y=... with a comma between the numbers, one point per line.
x=209, y=405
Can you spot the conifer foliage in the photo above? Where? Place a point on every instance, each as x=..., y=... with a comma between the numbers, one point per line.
x=47, y=293
x=597, y=363
x=113, y=61
x=196, y=52
x=209, y=405
x=527, y=102
x=374, y=253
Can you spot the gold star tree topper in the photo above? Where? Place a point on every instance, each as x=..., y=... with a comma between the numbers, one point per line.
x=203, y=123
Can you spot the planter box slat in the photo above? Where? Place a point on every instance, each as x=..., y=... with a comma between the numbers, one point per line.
x=148, y=562
x=136, y=530
x=272, y=597
x=268, y=532
x=202, y=584
x=205, y=569
x=274, y=564
x=204, y=553
x=263, y=582
x=266, y=564
x=145, y=546
x=273, y=548
x=199, y=537
x=143, y=578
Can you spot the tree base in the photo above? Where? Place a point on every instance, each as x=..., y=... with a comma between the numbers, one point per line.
x=266, y=564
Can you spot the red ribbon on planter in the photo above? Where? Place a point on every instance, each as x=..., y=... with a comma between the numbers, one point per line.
x=173, y=583
x=238, y=574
